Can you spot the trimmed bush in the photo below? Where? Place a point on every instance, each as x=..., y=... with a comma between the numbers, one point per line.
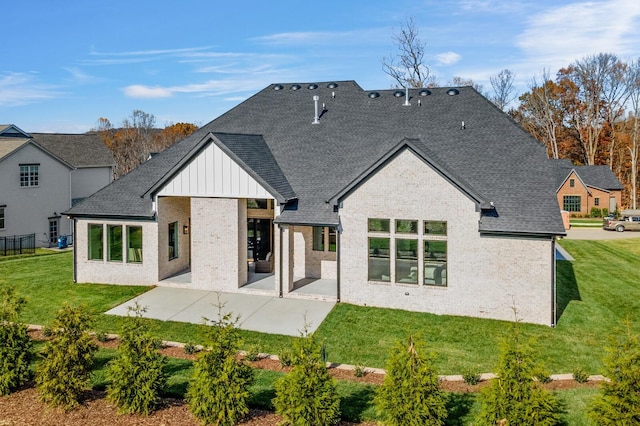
x=471, y=376
x=219, y=388
x=136, y=374
x=16, y=348
x=514, y=398
x=307, y=395
x=579, y=375
x=410, y=393
x=65, y=369
x=619, y=402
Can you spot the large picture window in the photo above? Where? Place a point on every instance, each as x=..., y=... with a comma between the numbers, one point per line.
x=134, y=244
x=435, y=263
x=407, y=261
x=114, y=243
x=405, y=249
x=173, y=240
x=379, y=259
x=95, y=241
x=29, y=175
x=571, y=203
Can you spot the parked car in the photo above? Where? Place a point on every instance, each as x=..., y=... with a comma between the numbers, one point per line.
x=629, y=220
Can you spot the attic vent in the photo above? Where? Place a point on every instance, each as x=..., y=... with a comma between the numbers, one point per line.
x=424, y=92
x=332, y=85
x=312, y=86
x=373, y=95
x=296, y=87
x=398, y=93
x=278, y=87
x=452, y=92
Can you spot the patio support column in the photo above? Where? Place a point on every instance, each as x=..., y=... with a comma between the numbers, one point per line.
x=280, y=260
x=338, y=239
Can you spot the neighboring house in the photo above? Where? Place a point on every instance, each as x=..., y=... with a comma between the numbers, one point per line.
x=582, y=188
x=436, y=203
x=42, y=175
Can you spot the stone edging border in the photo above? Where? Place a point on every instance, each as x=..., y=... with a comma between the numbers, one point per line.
x=381, y=371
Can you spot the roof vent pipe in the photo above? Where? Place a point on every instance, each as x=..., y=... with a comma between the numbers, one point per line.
x=406, y=96
x=316, y=98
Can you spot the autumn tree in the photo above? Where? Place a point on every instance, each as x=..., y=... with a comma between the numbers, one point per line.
x=138, y=138
x=503, y=90
x=407, y=67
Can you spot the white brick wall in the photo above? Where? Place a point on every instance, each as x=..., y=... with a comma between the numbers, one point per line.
x=173, y=209
x=487, y=276
x=105, y=272
x=219, y=243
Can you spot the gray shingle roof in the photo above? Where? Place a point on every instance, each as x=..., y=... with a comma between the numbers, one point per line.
x=490, y=154
x=598, y=176
x=79, y=150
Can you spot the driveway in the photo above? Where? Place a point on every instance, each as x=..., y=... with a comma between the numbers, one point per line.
x=597, y=233
x=266, y=314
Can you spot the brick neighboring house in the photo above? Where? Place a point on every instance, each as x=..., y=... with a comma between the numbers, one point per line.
x=44, y=174
x=582, y=188
x=436, y=202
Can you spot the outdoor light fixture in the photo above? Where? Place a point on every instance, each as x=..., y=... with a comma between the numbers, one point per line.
x=185, y=229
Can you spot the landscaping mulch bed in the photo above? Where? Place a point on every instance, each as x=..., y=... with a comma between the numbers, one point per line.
x=24, y=407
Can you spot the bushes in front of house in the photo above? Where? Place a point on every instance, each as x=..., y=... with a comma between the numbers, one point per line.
x=136, y=374
x=65, y=367
x=219, y=387
x=410, y=393
x=307, y=395
x=16, y=348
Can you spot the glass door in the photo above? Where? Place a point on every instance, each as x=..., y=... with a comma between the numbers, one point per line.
x=258, y=238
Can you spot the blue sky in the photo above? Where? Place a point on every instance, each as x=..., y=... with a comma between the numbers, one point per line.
x=66, y=64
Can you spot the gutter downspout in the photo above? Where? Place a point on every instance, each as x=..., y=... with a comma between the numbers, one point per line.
x=280, y=267
x=553, y=284
x=75, y=253
x=338, y=233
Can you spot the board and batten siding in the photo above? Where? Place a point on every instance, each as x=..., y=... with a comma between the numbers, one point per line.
x=214, y=174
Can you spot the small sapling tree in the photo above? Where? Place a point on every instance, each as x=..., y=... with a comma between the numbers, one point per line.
x=307, y=394
x=219, y=388
x=16, y=348
x=136, y=374
x=410, y=393
x=65, y=369
x=619, y=402
x=514, y=397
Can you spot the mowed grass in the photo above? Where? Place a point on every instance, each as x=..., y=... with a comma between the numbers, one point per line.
x=596, y=294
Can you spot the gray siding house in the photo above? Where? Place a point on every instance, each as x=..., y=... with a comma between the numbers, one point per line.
x=428, y=200
x=42, y=175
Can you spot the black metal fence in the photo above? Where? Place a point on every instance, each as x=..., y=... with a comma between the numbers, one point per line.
x=17, y=244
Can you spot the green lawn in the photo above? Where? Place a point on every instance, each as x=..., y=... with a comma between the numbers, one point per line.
x=596, y=294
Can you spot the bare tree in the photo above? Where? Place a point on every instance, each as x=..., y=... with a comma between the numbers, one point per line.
x=585, y=85
x=503, y=90
x=407, y=67
x=462, y=81
x=632, y=80
x=542, y=112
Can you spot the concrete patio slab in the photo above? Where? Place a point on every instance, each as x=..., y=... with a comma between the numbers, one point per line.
x=266, y=314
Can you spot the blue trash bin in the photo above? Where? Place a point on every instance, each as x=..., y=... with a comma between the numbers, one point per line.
x=62, y=242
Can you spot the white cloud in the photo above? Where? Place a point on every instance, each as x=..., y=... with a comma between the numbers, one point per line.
x=18, y=89
x=140, y=91
x=560, y=35
x=358, y=37
x=447, y=58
